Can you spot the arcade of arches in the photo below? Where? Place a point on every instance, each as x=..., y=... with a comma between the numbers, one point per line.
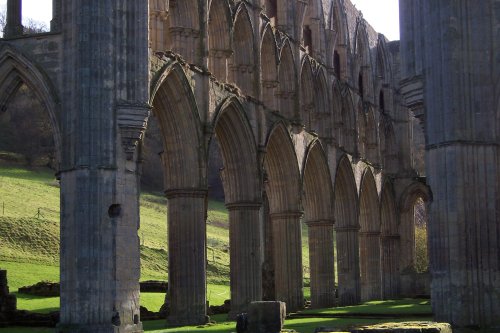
x=303, y=98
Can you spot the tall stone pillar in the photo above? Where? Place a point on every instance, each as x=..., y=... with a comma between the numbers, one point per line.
x=348, y=265
x=14, y=25
x=321, y=261
x=390, y=266
x=100, y=260
x=461, y=70
x=287, y=243
x=245, y=236
x=187, y=211
x=371, y=288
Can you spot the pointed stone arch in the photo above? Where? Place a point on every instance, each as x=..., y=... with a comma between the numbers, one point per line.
x=242, y=67
x=184, y=29
x=369, y=238
x=284, y=189
x=389, y=242
x=347, y=228
x=287, y=77
x=341, y=46
x=242, y=187
x=185, y=182
x=269, y=70
x=406, y=226
x=363, y=67
x=16, y=70
x=318, y=199
x=219, y=38
x=307, y=93
x=322, y=119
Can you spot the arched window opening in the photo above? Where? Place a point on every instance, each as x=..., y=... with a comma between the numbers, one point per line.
x=336, y=64
x=307, y=39
x=420, y=219
x=360, y=86
x=27, y=130
x=272, y=11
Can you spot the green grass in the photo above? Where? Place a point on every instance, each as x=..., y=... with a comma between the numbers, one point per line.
x=402, y=306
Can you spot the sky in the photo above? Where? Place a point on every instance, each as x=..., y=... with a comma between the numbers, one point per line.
x=383, y=15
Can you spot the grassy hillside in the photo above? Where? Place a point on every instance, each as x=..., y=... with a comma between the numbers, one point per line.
x=29, y=237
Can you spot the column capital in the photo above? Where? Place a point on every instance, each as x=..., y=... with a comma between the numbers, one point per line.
x=321, y=223
x=244, y=205
x=186, y=193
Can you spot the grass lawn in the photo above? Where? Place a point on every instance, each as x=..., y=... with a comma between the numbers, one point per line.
x=301, y=325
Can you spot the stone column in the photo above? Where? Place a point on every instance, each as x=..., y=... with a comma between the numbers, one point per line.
x=218, y=63
x=321, y=260
x=287, y=242
x=55, y=23
x=461, y=71
x=14, y=25
x=390, y=266
x=370, y=266
x=100, y=259
x=348, y=265
x=245, y=246
x=187, y=211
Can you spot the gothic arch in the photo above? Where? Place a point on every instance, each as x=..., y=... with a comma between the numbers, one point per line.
x=269, y=69
x=318, y=199
x=341, y=45
x=283, y=190
x=15, y=70
x=239, y=151
x=349, y=128
x=322, y=120
x=312, y=28
x=369, y=238
x=347, y=227
x=363, y=67
x=185, y=182
x=389, y=242
x=219, y=38
x=242, y=187
x=175, y=106
x=307, y=93
x=406, y=226
x=242, y=68
x=287, y=77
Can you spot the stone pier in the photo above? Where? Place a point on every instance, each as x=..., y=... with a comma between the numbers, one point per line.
x=187, y=211
x=246, y=255
x=287, y=243
x=348, y=265
x=321, y=260
x=13, y=24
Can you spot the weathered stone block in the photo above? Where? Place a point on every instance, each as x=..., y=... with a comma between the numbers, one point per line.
x=408, y=327
x=266, y=317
